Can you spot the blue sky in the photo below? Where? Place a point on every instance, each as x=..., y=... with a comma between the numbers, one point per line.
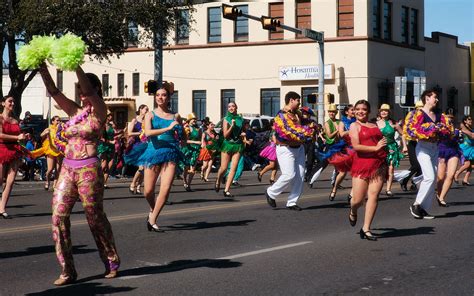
x=455, y=17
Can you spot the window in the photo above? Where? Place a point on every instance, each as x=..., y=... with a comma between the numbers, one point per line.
x=305, y=91
x=269, y=101
x=227, y=96
x=132, y=38
x=135, y=84
x=345, y=22
x=105, y=85
x=414, y=27
x=405, y=24
x=376, y=18
x=199, y=103
x=303, y=15
x=59, y=79
x=241, y=26
x=387, y=20
x=383, y=93
x=214, y=25
x=120, y=84
x=182, y=26
x=276, y=11
x=174, y=102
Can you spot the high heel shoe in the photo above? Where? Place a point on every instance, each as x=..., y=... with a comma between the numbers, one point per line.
x=466, y=183
x=138, y=190
x=202, y=176
x=332, y=195
x=389, y=193
x=5, y=215
x=153, y=227
x=349, y=197
x=217, y=187
x=132, y=189
x=272, y=181
x=46, y=187
x=259, y=177
x=441, y=203
x=367, y=235
x=353, y=222
x=62, y=281
x=228, y=194
x=110, y=274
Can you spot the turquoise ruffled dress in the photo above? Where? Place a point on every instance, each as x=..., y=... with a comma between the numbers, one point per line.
x=158, y=149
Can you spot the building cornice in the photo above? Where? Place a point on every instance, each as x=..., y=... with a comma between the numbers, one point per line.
x=276, y=42
x=435, y=38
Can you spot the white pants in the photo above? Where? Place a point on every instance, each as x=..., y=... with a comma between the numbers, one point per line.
x=292, y=166
x=427, y=155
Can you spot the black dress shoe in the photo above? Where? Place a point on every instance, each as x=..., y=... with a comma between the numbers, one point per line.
x=271, y=202
x=294, y=208
x=367, y=235
x=259, y=177
x=153, y=227
x=353, y=221
x=466, y=183
x=4, y=215
x=228, y=194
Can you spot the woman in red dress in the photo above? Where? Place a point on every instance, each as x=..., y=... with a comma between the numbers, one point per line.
x=369, y=167
x=10, y=151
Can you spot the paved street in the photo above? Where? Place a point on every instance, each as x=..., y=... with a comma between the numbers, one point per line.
x=213, y=246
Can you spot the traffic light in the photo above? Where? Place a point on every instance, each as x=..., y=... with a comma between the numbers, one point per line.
x=269, y=23
x=151, y=86
x=230, y=12
x=313, y=98
x=328, y=98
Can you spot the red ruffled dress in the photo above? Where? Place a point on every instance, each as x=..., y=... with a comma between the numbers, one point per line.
x=342, y=160
x=369, y=165
x=10, y=149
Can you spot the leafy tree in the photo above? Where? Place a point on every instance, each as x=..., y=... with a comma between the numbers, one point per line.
x=102, y=24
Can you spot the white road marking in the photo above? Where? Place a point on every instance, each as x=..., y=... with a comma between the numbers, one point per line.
x=265, y=250
x=262, y=251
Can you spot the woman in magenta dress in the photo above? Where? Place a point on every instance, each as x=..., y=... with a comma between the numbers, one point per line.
x=269, y=153
x=10, y=151
x=369, y=167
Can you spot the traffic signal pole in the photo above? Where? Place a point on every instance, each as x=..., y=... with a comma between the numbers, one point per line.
x=268, y=23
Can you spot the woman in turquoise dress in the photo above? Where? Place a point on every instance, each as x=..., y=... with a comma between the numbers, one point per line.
x=231, y=148
x=191, y=150
x=467, y=148
x=394, y=155
x=160, y=154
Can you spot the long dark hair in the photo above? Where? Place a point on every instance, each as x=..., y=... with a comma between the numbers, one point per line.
x=363, y=102
x=140, y=108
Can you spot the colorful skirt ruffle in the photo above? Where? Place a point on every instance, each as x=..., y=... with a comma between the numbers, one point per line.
x=467, y=151
x=394, y=155
x=46, y=149
x=449, y=150
x=105, y=150
x=154, y=153
x=333, y=149
x=231, y=147
x=11, y=152
x=191, y=153
x=269, y=152
x=204, y=155
x=369, y=168
x=342, y=161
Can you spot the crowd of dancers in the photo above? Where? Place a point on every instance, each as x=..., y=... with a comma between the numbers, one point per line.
x=162, y=146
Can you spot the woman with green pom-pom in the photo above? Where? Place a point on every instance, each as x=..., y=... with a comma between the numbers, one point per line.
x=232, y=146
x=81, y=175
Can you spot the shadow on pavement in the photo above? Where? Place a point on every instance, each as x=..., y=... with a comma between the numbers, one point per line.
x=461, y=203
x=331, y=205
x=20, y=206
x=206, y=225
x=455, y=214
x=44, y=250
x=84, y=289
x=393, y=232
x=180, y=265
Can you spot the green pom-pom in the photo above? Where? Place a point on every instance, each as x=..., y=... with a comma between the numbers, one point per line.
x=68, y=52
x=30, y=56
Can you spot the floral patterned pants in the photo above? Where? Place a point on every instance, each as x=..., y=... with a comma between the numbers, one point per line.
x=87, y=183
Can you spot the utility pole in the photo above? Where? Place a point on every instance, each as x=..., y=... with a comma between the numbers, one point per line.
x=158, y=56
x=269, y=23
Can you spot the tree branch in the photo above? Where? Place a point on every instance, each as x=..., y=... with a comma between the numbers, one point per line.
x=29, y=78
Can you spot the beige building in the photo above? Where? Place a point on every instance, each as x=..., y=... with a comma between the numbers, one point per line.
x=367, y=44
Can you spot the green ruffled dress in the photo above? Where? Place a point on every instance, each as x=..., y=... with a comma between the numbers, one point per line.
x=234, y=143
x=105, y=150
x=394, y=155
x=191, y=151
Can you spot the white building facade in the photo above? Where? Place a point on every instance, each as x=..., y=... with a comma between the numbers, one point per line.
x=214, y=60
